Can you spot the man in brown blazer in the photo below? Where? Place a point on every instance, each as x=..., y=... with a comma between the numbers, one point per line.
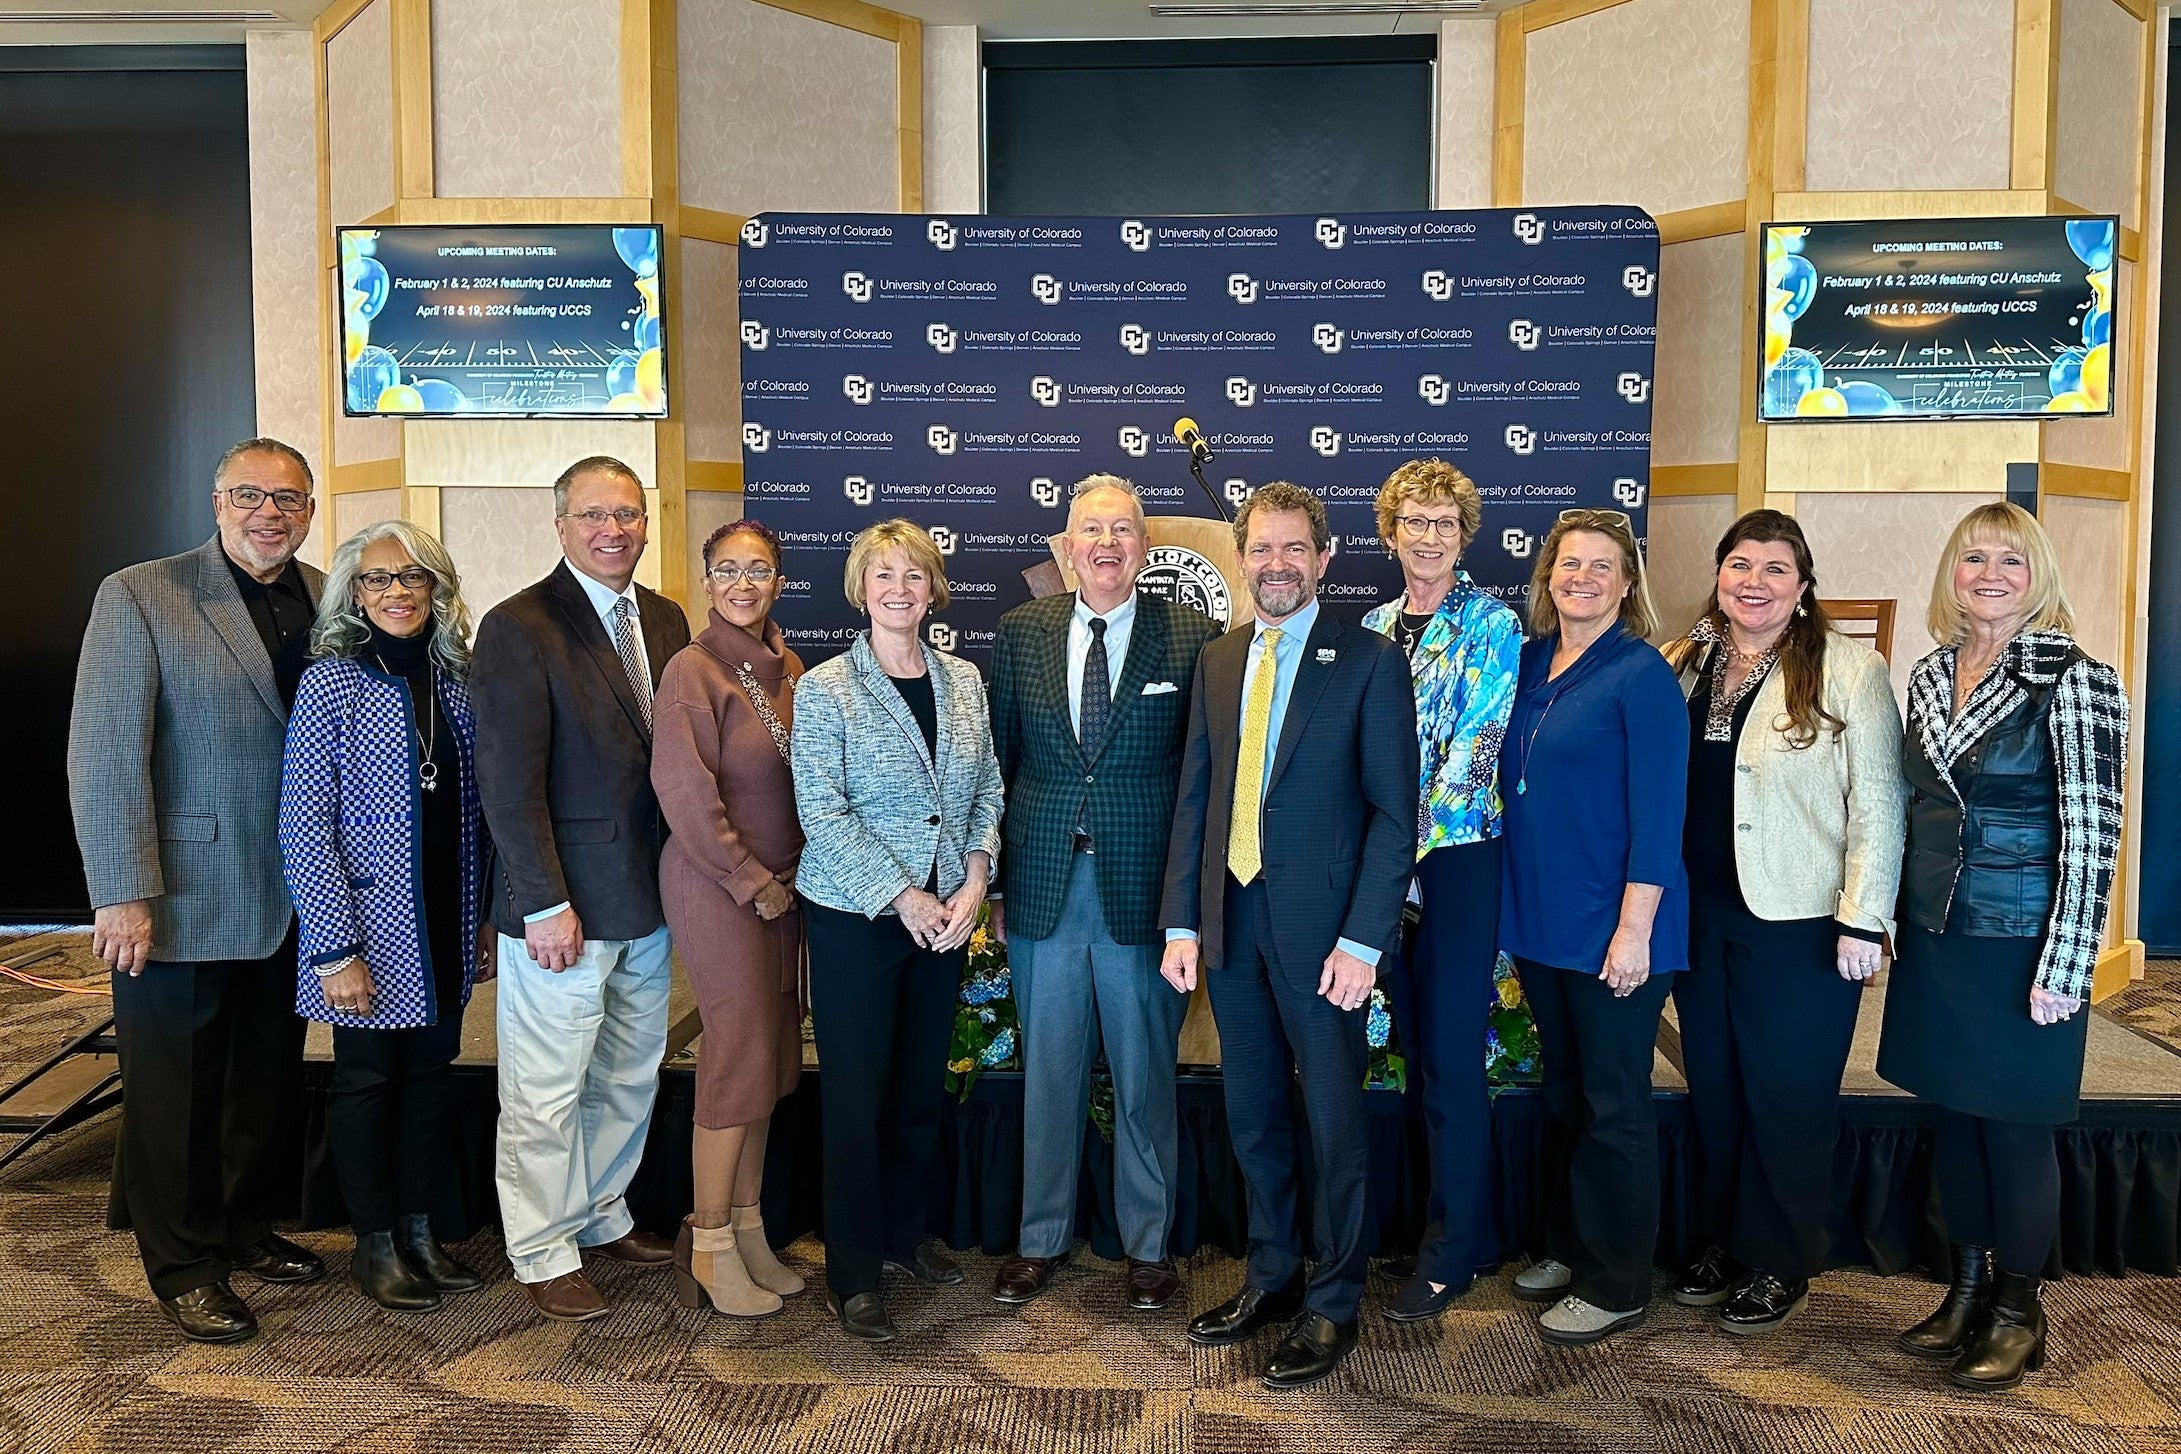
x=562, y=682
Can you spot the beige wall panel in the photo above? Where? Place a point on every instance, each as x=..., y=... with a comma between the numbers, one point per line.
x=2101, y=107
x=1887, y=457
x=360, y=115
x=1696, y=411
x=284, y=272
x=785, y=113
x=501, y=540
x=2091, y=539
x=953, y=120
x=707, y=511
x=2103, y=443
x=1643, y=102
x=1885, y=546
x=517, y=452
x=526, y=98
x=358, y=441
x=707, y=371
x=352, y=513
x=1682, y=533
x=1910, y=94
x=1467, y=52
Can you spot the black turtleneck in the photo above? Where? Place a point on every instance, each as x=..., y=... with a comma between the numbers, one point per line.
x=409, y=659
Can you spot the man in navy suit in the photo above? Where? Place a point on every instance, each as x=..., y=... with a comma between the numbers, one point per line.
x=1292, y=849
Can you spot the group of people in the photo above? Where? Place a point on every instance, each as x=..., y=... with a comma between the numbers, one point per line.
x=1290, y=812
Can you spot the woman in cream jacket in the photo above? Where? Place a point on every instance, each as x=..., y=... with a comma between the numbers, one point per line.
x=1792, y=841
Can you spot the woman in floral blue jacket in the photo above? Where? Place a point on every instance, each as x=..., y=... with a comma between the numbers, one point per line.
x=1464, y=649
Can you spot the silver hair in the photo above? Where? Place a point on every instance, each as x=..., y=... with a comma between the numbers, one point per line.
x=604, y=464
x=342, y=628
x=262, y=445
x=1089, y=483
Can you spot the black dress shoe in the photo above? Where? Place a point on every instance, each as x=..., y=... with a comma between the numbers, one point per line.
x=1244, y=1313
x=1311, y=1351
x=1021, y=1279
x=1398, y=1269
x=1416, y=1301
x=276, y=1259
x=1709, y=1281
x=421, y=1250
x=383, y=1275
x=928, y=1263
x=862, y=1316
x=2011, y=1341
x=1762, y=1304
x=211, y=1314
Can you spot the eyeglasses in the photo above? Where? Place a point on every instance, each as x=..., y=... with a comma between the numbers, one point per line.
x=1595, y=517
x=596, y=519
x=415, y=578
x=248, y=497
x=756, y=575
x=1447, y=528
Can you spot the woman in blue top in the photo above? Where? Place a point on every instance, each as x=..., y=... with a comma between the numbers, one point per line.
x=1594, y=907
x=1463, y=648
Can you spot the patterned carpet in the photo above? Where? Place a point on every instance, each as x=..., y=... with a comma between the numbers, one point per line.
x=87, y=1364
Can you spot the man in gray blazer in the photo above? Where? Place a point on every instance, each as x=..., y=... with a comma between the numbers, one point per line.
x=188, y=668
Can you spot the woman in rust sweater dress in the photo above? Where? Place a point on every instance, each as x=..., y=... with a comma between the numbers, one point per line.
x=719, y=762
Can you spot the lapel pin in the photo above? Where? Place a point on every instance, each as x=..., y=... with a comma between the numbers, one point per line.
x=1326, y=654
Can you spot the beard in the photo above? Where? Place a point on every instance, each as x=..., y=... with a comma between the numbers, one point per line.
x=1279, y=598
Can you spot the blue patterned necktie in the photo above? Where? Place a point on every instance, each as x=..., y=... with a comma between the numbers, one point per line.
x=1097, y=697
x=632, y=660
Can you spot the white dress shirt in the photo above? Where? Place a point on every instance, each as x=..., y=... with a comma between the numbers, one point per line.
x=1120, y=623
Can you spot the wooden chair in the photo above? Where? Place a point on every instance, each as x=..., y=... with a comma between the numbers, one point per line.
x=1870, y=622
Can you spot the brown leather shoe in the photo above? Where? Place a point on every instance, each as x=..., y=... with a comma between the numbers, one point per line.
x=1021, y=1279
x=568, y=1298
x=1151, y=1285
x=639, y=1247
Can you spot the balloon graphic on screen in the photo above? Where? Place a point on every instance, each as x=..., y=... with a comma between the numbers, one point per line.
x=650, y=380
x=647, y=332
x=639, y=248
x=621, y=373
x=367, y=286
x=1863, y=399
x=374, y=372
x=2097, y=374
x=441, y=397
x=2098, y=328
x=1822, y=403
x=1799, y=281
x=401, y=399
x=2073, y=402
x=2092, y=240
x=1796, y=374
x=2066, y=373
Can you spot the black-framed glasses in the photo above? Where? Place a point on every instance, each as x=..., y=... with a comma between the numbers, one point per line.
x=756, y=575
x=595, y=519
x=414, y=577
x=1446, y=528
x=249, y=497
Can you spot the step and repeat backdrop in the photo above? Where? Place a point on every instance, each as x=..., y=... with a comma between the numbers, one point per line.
x=965, y=371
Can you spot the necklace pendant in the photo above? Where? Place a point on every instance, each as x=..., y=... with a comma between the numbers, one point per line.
x=1522, y=784
x=428, y=776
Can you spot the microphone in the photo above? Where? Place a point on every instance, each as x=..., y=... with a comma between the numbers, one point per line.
x=1186, y=432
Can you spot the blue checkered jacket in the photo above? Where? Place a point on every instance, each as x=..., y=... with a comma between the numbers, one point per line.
x=351, y=839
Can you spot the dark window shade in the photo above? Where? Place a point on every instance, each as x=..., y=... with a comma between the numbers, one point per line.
x=1327, y=124
x=2158, y=892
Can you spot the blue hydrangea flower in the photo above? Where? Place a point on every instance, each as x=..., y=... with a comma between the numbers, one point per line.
x=982, y=991
x=1000, y=1051
x=1379, y=1026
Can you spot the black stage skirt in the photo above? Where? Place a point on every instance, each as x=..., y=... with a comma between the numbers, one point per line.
x=1958, y=1031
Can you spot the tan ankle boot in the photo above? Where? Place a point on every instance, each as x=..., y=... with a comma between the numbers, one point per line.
x=766, y=1270
x=714, y=1273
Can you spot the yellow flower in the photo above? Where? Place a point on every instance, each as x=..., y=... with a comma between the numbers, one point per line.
x=1510, y=993
x=961, y=1067
x=979, y=940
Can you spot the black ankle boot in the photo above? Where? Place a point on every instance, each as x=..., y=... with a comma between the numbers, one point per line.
x=421, y=1250
x=386, y=1279
x=1946, y=1332
x=2011, y=1341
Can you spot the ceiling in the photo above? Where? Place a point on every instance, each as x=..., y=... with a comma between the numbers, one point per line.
x=139, y=22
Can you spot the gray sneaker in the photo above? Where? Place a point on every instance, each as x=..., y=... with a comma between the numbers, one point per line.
x=1572, y=1322
x=1543, y=1282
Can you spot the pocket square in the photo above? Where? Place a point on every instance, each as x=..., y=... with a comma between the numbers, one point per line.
x=1153, y=689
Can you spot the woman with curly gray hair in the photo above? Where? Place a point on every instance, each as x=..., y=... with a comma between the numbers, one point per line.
x=383, y=844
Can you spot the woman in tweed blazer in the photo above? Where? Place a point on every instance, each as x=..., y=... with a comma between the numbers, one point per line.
x=384, y=849
x=899, y=795
x=2015, y=755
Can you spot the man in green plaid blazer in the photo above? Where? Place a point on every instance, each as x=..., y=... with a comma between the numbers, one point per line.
x=1090, y=704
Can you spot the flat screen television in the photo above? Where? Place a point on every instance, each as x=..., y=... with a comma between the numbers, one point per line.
x=502, y=322
x=1945, y=318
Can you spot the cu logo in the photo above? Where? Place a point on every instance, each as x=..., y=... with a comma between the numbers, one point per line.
x=944, y=537
x=856, y=388
x=1520, y=438
x=941, y=439
x=1434, y=390
x=1045, y=390
x=942, y=233
x=1438, y=287
x=756, y=335
x=1517, y=543
x=1331, y=233
x=1325, y=439
x=1237, y=492
x=1045, y=491
x=756, y=438
x=1639, y=280
x=755, y=233
x=1136, y=235
x=858, y=490
x=1136, y=339
x=1242, y=287
x=1241, y=392
x=1045, y=288
x=1327, y=337
x=1633, y=387
x=1524, y=334
x=1529, y=229
x=942, y=636
x=1135, y=443
x=1628, y=494
x=941, y=337
x=856, y=286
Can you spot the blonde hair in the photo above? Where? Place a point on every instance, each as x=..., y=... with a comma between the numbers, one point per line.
x=888, y=537
x=2018, y=530
x=1638, y=615
x=341, y=628
x=1429, y=482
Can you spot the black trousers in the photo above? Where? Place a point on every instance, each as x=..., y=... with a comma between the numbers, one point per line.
x=883, y=1013
x=1602, y=1188
x=1766, y=1026
x=1442, y=1000
x=211, y=1073
x=1999, y=1187
x=388, y=1115
x=1275, y=1031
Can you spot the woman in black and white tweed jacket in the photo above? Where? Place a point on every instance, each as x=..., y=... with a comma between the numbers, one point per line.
x=2014, y=754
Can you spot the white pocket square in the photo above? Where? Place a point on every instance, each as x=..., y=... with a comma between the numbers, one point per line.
x=1153, y=689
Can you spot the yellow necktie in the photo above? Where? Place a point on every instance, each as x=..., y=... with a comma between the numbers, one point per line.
x=1245, y=853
